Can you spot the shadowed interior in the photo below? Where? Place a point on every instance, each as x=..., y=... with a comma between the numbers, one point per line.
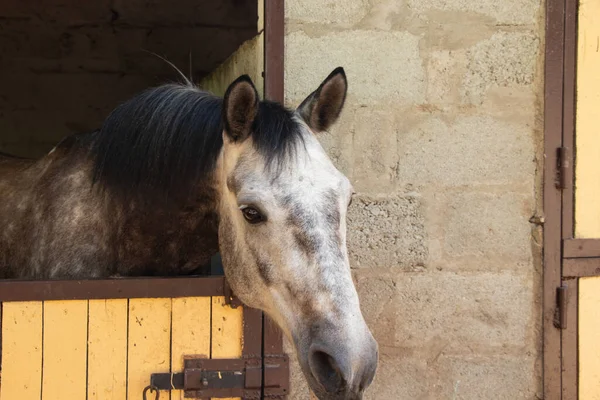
x=66, y=65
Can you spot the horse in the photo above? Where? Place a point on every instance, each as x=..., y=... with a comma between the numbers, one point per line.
x=175, y=174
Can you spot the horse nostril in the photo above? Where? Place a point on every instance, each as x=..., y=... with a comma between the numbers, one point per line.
x=326, y=371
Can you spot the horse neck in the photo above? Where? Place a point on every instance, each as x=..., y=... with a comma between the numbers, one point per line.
x=174, y=237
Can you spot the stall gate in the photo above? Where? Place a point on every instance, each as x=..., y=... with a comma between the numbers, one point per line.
x=201, y=346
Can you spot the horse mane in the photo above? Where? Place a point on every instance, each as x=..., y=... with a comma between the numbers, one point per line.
x=167, y=138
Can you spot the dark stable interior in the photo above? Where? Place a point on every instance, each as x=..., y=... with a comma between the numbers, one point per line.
x=65, y=64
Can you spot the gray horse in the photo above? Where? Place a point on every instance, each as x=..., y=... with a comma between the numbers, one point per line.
x=176, y=174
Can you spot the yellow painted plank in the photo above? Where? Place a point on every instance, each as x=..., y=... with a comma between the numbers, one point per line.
x=589, y=338
x=587, y=137
x=21, y=351
x=107, y=350
x=65, y=350
x=148, y=344
x=190, y=333
x=227, y=330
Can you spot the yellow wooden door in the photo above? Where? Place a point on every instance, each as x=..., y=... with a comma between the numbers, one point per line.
x=107, y=349
x=587, y=192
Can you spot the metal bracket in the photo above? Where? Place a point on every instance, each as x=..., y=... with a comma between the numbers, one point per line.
x=560, y=316
x=277, y=376
x=206, y=378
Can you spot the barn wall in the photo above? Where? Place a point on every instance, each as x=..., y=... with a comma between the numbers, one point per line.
x=441, y=137
x=247, y=59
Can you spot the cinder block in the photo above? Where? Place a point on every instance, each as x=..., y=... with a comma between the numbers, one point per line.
x=326, y=11
x=507, y=59
x=387, y=232
x=477, y=377
x=398, y=77
x=375, y=150
x=400, y=377
x=445, y=72
x=362, y=144
x=468, y=150
x=462, y=313
x=511, y=12
x=488, y=224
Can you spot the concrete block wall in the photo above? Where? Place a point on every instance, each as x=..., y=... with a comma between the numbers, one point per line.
x=441, y=137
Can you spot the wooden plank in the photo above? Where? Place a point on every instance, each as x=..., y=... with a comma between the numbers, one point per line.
x=226, y=330
x=587, y=190
x=580, y=267
x=569, y=342
x=122, y=288
x=107, y=350
x=580, y=248
x=65, y=350
x=190, y=332
x=149, y=342
x=589, y=338
x=21, y=351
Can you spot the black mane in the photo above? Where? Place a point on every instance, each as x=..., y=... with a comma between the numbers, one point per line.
x=167, y=138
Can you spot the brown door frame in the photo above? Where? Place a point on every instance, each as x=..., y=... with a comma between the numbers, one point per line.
x=566, y=259
x=274, y=90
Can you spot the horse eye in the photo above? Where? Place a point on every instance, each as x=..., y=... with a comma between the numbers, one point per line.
x=252, y=215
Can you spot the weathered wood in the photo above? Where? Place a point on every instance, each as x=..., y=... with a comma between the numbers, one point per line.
x=190, y=335
x=65, y=350
x=149, y=343
x=227, y=328
x=21, y=351
x=589, y=338
x=107, y=350
x=587, y=139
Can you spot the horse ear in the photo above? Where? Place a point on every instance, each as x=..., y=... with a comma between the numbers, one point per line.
x=240, y=106
x=322, y=107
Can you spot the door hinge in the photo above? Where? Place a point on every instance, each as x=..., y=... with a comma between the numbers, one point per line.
x=218, y=378
x=560, y=315
x=563, y=167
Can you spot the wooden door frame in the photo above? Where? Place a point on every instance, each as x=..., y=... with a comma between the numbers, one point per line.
x=566, y=259
x=274, y=90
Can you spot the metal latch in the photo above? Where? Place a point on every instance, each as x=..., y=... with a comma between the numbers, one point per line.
x=205, y=378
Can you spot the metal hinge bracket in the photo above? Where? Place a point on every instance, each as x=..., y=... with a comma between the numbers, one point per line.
x=563, y=167
x=560, y=315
